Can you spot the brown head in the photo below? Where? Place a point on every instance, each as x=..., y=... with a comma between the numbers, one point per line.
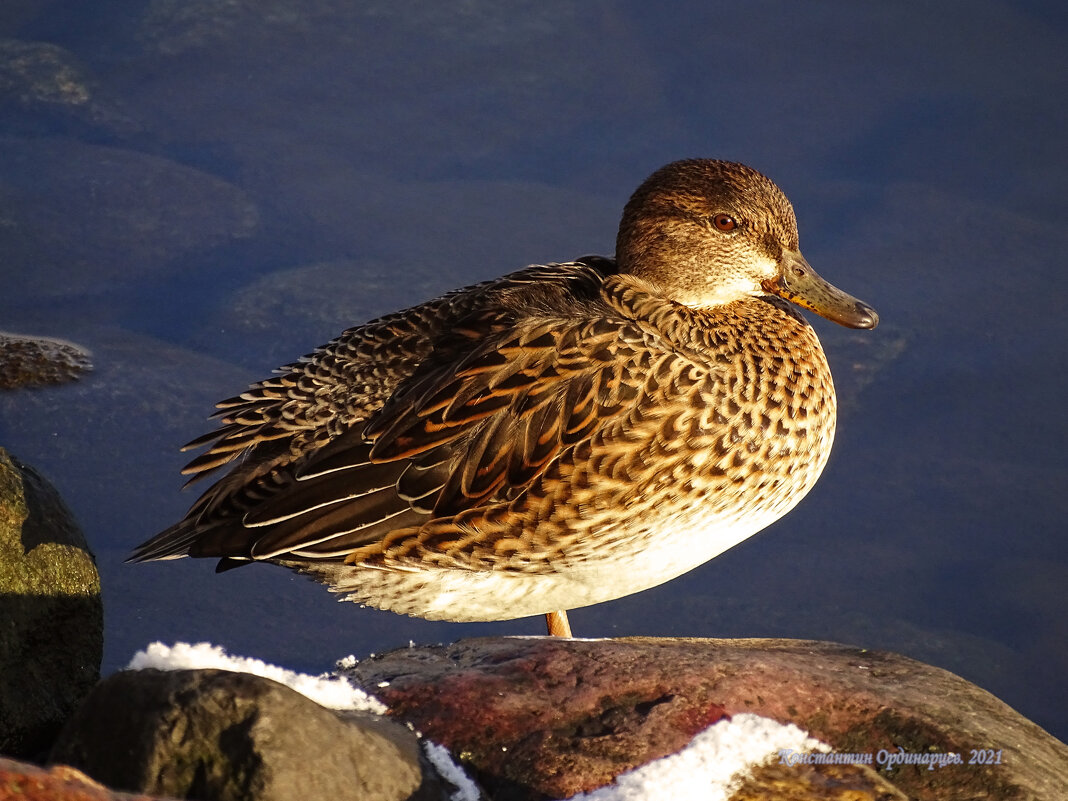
x=711, y=232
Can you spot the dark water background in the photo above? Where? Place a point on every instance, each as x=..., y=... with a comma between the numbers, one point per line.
x=201, y=191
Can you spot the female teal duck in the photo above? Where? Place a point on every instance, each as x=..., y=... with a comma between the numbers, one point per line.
x=561, y=436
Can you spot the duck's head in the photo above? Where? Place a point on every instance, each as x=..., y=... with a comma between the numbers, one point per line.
x=710, y=232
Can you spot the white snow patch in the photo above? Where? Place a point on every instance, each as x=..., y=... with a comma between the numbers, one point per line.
x=331, y=691
x=712, y=766
x=348, y=662
x=441, y=759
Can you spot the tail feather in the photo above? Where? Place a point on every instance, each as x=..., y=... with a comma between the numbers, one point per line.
x=174, y=543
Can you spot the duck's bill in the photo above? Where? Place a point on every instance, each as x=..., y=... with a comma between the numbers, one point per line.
x=798, y=283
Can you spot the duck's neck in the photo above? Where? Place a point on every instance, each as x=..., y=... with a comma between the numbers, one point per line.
x=767, y=326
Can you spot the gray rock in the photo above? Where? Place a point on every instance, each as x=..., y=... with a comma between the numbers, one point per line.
x=539, y=717
x=214, y=735
x=51, y=640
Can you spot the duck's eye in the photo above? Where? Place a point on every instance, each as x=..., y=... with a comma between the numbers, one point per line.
x=724, y=222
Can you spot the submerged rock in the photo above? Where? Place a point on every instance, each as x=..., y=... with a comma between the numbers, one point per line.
x=40, y=73
x=52, y=637
x=36, y=361
x=43, y=84
x=79, y=216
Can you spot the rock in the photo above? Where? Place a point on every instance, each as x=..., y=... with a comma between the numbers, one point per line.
x=215, y=735
x=35, y=361
x=52, y=639
x=28, y=782
x=310, y=305
x=540, y=717
x=46, y=85
x=77, y=216
x=40, y=73
x=780, y=782
x=858, y=361
x=359, y=177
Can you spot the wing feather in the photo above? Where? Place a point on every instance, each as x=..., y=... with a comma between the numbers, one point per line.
x=460, y=403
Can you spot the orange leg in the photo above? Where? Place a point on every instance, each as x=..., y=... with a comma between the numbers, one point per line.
x=557, y=623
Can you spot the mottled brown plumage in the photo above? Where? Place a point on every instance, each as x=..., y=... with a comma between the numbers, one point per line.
x=564, y=435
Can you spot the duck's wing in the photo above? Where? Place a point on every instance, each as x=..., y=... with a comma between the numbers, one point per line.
x=302, y=470
x=460, y=437
x=346, y=380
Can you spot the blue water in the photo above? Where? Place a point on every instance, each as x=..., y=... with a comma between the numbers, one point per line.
x=199, y=192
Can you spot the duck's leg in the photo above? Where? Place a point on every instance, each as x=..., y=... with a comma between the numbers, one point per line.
x=557, y=623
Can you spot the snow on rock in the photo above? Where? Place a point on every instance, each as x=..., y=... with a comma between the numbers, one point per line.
x=441, y=759
x=711, y=766
x=333, y=692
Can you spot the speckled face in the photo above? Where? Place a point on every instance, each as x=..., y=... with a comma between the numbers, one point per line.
x=726, y=222
x=707, y=233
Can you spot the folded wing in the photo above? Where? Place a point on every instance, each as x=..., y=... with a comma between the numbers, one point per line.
x=421, y=415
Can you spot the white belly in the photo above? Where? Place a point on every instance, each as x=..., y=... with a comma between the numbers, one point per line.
x=675, y=546
x=622, y=551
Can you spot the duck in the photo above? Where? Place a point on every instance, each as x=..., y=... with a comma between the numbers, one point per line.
x=561, y=436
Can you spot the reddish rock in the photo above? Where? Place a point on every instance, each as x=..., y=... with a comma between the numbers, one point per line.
x=26, y=782
x=538, y=717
